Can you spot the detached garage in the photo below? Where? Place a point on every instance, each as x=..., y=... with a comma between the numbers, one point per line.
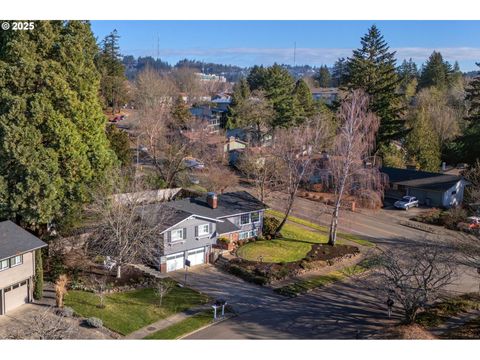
x=431, y=189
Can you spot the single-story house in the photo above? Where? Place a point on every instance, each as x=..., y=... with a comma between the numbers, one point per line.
x=431, y=189
x=17, y=265
x=196, y=224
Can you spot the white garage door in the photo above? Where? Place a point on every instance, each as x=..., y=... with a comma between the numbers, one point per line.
x=175, y=262
x=15, y=296
x=196, y=256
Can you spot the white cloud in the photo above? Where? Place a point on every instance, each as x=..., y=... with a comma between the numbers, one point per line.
x=311, y=56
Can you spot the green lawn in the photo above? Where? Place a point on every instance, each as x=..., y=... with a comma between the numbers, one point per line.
x=183, y=327
x=294, y=245
x=324, y=229
x=129, y=311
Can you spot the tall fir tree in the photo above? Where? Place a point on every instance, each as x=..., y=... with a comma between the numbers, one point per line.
x=436, y=72
x=241, y=92
x=372, y=68
x=323, y=77
x=339, y=72
x=113, y=80
x=181, y=113
x=53, y=146
x=305, y=100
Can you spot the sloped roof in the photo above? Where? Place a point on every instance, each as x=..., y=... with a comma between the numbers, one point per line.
x=228, y=204
x=421, y=179
x=226, y=227
x=14, y=240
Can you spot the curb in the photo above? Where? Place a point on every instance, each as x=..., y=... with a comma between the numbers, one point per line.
x=206, y=326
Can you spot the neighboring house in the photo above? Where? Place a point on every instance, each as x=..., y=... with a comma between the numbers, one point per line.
x=209, y=114
x=233, y=143
x=197, y=223
x=431, y=189
x=327, y=95
x=17, y=265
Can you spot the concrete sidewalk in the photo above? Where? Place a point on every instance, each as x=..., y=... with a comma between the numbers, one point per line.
x=164, y=323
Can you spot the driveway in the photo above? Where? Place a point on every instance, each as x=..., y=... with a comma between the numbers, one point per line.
x=241, y=295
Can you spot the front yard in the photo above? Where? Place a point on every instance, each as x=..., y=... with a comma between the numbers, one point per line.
x=294, y=246
x=129, y=311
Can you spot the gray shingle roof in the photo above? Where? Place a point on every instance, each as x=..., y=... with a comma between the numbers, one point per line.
x=421, y=179
x=229, y=204
x=226, y=227
x=14, y=240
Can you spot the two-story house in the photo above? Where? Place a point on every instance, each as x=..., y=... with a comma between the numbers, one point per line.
x=17, y=265
x=197, y=223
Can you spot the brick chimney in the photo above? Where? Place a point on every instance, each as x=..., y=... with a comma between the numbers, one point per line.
x=212, y=200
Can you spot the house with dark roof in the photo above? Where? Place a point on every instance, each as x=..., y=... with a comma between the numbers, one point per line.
x=17, y=265
x=197, y=225
x=431, y=189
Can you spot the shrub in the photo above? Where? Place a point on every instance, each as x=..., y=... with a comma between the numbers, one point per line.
x=270, y=224
x=452, y=217
x=66, y=312
x=246, y=275
x=38, y=281
x=224, y=240
x=94, y=322
x=433, y=216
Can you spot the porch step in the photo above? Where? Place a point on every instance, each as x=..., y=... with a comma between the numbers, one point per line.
x=221, y=262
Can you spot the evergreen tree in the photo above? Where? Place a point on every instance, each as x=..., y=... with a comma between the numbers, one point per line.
x=339, y=72
x=436, y=72
x=323, y=77
x=53, y=146
x=120, y=144
x=256, y=77
x=372, y=68
x=38, y=280
x=407, y=73
x=469, y=141
x=422, y=143
x=241, y=92
x=305, y=100
x=110, y=65
x=181, y=113
x=278, y=86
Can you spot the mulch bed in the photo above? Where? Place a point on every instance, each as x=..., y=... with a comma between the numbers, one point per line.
x=404, y=332
x=320, y=255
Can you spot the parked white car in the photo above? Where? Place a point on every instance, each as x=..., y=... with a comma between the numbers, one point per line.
x=406, y=202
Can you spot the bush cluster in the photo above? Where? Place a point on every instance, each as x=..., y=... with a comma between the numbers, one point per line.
x=94, y=322
x=270, y=225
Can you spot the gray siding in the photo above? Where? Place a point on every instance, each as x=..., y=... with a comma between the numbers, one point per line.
x=191, y=241
x=247, y=227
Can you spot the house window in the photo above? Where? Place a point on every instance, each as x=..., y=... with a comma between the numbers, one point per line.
x=243, y=235
x=244, y=219
x=203, y=230
x=454, y=192
x=4, y=265
x=255, y=217
x=177, y=234
x=253, y=233
x=17, y=260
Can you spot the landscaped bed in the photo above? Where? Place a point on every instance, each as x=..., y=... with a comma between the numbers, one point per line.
x=126, y=312
x=319, y=256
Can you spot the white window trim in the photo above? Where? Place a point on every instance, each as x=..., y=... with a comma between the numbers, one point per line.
x=17, y=264
x=203, y=234
x=8, y=264
x=172, y=239
x=255, y=222
x=249, y=219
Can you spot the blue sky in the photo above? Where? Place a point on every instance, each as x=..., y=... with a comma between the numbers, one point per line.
x=246, y=43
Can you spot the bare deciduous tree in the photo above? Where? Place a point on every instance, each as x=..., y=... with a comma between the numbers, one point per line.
x=294, y=149
x=100, y=285
x=153, y=89
x=414, y=278
x=162, y=288
x=260, y=166
x=353, y=144
x=127, y=231
x=218, y=177
x=45, y=325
